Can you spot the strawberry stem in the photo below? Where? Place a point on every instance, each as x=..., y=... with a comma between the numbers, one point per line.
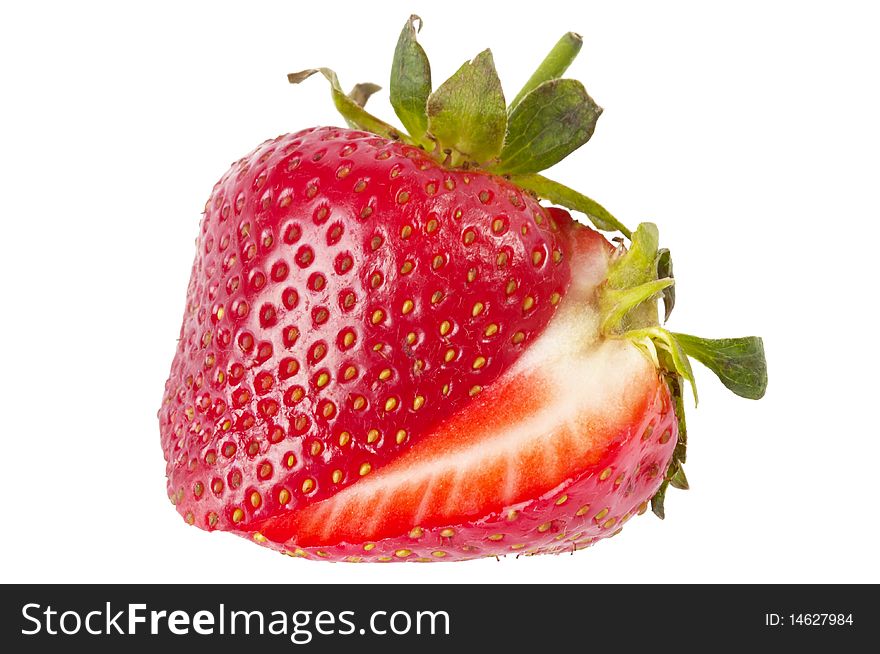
x=554, y=65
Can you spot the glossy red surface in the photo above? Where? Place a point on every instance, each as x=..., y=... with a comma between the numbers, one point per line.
x=348, y=294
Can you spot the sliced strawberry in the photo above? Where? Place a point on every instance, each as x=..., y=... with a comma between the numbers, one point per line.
x=391, y=350
x=564, y=426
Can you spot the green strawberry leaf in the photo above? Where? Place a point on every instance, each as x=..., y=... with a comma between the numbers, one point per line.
x=678, y=479
x=739, y=362
x=674, y=476
x=550, y=123
x=658, y=500
x=355, y=115
x=562, y=195
x=467, y=113
x=664, y=269
x=411, y=81
x=554, y=65
x=675, y=386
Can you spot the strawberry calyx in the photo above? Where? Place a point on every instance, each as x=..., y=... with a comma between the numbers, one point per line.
x=465, y=123
x=637, y=279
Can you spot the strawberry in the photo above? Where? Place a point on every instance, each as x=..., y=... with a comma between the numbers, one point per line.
x=392, y=350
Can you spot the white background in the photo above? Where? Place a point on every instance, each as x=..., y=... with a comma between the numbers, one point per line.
x=749, y=133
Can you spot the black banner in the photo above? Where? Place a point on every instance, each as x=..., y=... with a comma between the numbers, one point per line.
x=428, y=618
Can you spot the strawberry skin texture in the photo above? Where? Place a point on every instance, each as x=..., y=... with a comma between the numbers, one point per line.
x=348, y=295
